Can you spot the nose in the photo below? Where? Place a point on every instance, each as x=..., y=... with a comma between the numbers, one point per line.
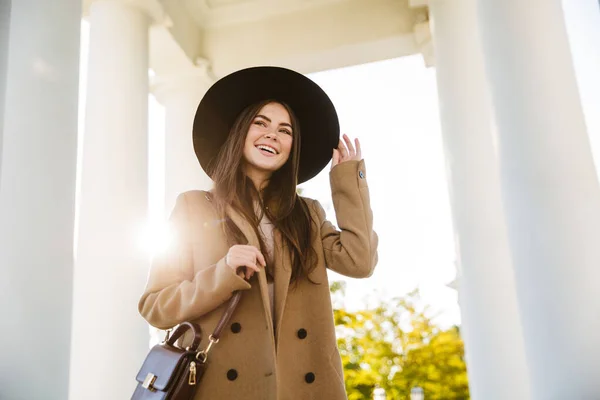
x=271, y=135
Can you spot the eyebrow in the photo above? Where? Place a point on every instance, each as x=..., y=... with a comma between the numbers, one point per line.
x=269, y=119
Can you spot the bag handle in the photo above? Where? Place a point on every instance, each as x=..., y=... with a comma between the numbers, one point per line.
x=183, y=328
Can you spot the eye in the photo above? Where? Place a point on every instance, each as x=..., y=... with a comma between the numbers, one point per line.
x=286, y=131
x=260, y=122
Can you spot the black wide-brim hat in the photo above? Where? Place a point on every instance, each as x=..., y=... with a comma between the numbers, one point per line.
x=229, y=96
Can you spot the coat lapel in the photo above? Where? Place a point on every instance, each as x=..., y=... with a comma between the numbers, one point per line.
x=283, y=272
x=247, y=230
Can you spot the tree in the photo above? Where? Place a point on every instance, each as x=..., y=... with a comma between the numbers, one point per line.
x=397, y=346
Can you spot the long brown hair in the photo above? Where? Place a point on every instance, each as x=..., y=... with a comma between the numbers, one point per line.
x=279, y=201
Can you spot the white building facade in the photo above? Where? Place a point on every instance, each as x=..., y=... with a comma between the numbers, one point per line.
x=524, y=191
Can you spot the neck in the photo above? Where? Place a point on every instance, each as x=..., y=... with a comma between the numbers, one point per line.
x=260, y=179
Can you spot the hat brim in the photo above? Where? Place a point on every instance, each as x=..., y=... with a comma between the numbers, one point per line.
x=229, y=96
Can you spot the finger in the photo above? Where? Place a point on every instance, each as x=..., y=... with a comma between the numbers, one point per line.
x=242, y=272
x=260, y=258
x=251, y=253
x=335, y=159
x=239, y=260
x=342, y=150
x=351, y=151
x=253, y=266
x=245, y=261
x=358, y=149
x=250, y=261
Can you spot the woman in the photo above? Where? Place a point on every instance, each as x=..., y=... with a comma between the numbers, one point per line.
x=257, y=133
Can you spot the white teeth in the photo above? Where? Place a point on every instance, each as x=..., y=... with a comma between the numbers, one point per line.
x=267, y=148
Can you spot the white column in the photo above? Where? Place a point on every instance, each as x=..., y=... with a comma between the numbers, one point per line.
x=491, y=326
x=550, y=191
x=180, y=95
x=38, y=160
x=4, y=34
x=110, y=339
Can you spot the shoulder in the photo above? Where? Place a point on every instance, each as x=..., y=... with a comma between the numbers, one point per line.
x=315, y=208
x=310, y=203
x=196, y=196
x=195, y=201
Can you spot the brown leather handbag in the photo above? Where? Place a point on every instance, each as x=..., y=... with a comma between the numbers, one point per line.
x=172, y=373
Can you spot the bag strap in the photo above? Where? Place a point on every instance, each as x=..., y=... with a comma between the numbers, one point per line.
x=233, y=302
x=202, y=355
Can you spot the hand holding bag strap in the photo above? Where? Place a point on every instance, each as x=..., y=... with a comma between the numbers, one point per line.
x=181, y=329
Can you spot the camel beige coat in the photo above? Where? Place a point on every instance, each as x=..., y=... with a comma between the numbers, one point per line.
x=290, y=354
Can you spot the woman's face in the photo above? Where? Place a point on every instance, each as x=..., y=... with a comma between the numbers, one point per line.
x=269, y=141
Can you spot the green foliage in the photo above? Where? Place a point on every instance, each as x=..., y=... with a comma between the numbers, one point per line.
x=397, y=346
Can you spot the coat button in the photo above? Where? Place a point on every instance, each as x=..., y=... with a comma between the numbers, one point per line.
x=309, y=378
x=361, y=174
x=302, y=333
x=236, y=327
x=232, y=374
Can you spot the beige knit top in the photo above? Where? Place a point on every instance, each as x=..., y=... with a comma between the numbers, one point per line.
x=266, y=230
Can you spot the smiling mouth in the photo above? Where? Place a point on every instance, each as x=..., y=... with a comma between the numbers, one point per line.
x=267, y=149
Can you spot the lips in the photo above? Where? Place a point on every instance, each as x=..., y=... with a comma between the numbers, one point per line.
x=267, y=149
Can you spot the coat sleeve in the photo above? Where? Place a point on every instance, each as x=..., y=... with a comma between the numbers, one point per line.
x=352, y=250
x=178, y=289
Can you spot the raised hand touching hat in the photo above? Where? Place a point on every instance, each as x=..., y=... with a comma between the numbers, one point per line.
x=346, y=151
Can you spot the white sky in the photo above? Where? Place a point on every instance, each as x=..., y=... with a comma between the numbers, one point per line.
x=391, y=106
